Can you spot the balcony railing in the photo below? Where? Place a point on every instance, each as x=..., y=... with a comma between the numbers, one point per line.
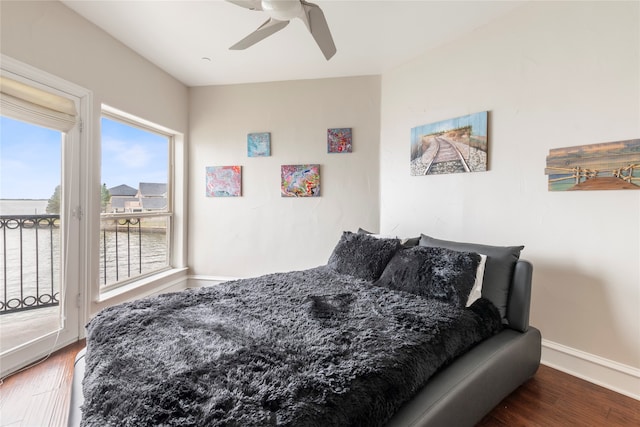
x=132, y=245
x=30, y=260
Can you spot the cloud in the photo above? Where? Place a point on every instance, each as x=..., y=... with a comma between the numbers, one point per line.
x=126, y=155
x=135, y=157
x=131, y=161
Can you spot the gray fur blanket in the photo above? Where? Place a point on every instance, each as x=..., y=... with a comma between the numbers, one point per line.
x=305, y=348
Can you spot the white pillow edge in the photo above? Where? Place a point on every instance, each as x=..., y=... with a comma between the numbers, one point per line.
x=385, y=236
x=476, y=290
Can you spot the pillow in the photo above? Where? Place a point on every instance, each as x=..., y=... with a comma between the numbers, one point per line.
x=438, y=273
x=407, y=242
x=498, y=269
x=361, y=255
x=476, y=291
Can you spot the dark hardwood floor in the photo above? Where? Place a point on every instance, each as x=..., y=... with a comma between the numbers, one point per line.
x=553, y=398
x=39, y=397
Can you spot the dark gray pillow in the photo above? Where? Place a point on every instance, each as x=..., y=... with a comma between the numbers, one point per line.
x=498, y=270
x=362, y=255
x=438, y=273
x=406, y=243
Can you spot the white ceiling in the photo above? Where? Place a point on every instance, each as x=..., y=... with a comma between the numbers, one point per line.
x=371, y=36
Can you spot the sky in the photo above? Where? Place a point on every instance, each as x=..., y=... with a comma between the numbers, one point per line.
x=131, y=155
x=30, y=158
x=478, y=122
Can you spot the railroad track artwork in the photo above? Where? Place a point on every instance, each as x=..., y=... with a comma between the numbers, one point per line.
x=446, y=157
x=456, y=145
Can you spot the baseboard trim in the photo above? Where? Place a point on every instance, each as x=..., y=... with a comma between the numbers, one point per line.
x=200, y=281
x=618, y=377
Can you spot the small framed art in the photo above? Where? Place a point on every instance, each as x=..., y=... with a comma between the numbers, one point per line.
x=224, y=181
x=300, y=181
x=259, y=144
x=339, y=140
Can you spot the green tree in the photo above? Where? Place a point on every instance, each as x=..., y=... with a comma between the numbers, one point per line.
x=53, y=206
x=105, y=197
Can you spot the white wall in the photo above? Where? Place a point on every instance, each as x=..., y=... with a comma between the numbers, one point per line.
x=551, y=74
x=262, y=232
x=51, y=37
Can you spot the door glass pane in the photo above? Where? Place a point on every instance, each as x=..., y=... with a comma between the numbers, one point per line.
x=30, y=232
x=135, y=219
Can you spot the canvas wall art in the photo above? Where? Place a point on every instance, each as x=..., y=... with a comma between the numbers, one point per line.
x=339, y=140
x=224, y=181
x=259, y=144
x=450, y=146
x=605, y=166
x=300, y=181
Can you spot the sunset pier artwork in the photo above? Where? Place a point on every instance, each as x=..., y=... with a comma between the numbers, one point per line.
x=605, y=166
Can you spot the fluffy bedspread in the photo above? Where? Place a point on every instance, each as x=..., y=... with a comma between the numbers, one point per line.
x=305, y=348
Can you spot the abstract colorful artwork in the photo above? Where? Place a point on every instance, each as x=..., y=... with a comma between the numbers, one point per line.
x=259, y=144
x=300, y=181
x=224, y=181
x=450, y=146
x=339, y=140
x=605, y=166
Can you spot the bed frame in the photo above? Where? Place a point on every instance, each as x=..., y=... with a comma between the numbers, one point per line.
x=467, y=389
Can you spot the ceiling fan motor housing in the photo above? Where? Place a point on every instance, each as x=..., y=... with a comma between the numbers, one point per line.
x=282, y=10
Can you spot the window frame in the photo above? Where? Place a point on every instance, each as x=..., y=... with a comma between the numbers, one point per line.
x=176, y=197
x=74, y=249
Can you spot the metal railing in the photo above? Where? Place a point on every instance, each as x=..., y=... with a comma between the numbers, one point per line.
x=132, y=245
x=30, y=262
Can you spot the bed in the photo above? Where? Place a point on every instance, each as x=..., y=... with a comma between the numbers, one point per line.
x=423, y=332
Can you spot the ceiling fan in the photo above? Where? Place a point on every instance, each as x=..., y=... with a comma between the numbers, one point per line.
x=280, y=13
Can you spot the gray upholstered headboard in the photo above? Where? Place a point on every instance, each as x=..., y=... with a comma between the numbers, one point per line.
x=520, y=296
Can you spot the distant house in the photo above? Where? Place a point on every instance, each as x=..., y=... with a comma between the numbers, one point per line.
x=122, y=191
x=124, y=199
x=152, y=196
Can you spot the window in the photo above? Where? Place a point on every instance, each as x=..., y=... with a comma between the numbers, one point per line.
x=136, y=203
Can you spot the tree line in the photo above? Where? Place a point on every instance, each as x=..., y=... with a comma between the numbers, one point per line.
x=53, y=204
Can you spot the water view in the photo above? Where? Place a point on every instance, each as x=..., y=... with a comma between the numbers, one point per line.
x=29, y=255
x=23, y=207
x=133, y=247
x=30, y=259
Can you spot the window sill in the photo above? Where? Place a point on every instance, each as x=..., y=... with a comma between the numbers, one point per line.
x=149, y=285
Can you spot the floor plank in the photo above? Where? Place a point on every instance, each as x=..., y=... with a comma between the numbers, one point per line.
x=553, y=398
x=40, y=396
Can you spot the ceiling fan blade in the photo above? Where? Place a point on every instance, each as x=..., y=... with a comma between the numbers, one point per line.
x=248, y=4
x=319, y=29
x=263, y=31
